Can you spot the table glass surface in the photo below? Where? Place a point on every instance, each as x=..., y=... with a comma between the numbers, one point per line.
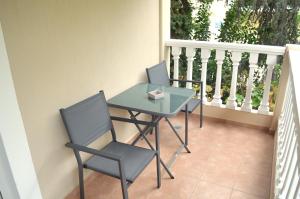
x=136, y=99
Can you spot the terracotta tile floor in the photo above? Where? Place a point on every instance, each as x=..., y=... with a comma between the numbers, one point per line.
x=227, y=161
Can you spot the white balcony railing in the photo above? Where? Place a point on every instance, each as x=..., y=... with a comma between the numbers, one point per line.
x=287, y=156
x=272, y=53
x=286, y=172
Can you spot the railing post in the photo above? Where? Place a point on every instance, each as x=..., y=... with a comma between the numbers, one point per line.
x=176, y=51
x=247, y=106
x=231, y=102
x=264, y=105
x=217, y=96
x=281, y=90
x=190, y=53
x=205, y=54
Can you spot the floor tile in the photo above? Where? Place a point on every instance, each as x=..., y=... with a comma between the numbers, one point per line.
x=241, y=195
x=207, y=190
x=181, y=187
x=253, y=183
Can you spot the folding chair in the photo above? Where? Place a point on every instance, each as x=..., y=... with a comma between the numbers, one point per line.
x=87, y=121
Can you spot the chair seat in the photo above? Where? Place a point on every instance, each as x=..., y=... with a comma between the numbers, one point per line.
x=192, y=105
x=135, y=160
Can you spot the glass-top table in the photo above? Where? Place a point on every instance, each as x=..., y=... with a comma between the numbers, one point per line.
x=136, y=99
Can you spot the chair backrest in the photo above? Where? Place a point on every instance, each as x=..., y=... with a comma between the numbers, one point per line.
x=87, y=120
x=158, y=74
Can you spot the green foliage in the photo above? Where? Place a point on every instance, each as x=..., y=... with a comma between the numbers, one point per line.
x=298, y=19
x=298, y=22
x=181, y=19
x=276, y=20
x=239, y=99
x=257, y=95
x=276, y=75
x=211, y=78
x=201, y=24
x=237, y=27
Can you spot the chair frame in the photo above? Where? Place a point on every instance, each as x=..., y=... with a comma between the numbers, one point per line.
x=124, y=183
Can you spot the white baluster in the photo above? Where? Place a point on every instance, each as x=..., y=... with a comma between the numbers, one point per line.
x=167, y=58
x=247, y=106
x=176, y=51
x=217, y=96
x=264, y=105
x=231, y=102
x=190, y=53
x=205, y=54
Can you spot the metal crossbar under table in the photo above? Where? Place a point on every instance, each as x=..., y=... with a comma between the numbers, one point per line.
x=144, y=132
x=147, y=129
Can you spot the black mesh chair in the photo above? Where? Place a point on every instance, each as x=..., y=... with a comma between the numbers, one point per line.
x=158, y=74
x=88, y=120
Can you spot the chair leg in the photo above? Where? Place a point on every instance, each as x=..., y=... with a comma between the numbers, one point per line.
x=124, y=188
x=81, y=182
x=123, y=181
x=201, y=106
x=157, y=155
x=201, y=115
x=186, y=130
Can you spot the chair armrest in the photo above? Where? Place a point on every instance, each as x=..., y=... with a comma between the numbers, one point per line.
x=185, y=80
x=121, y=119
x=94, y=152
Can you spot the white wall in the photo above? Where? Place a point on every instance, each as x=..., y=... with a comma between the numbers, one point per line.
x=19, y=178
x=63, y=51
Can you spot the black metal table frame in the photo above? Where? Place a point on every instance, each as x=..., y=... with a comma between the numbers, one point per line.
x=148, y=128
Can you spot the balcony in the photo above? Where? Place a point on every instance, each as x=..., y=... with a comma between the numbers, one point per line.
x=229, y=159
x=56, y=53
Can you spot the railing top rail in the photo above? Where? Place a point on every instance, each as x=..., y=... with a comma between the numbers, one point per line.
x=251, y=48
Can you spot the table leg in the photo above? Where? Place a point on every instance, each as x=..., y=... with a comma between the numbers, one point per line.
x=152, y=117
x=201, y=105
x=186, y=125
x=157, y=154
